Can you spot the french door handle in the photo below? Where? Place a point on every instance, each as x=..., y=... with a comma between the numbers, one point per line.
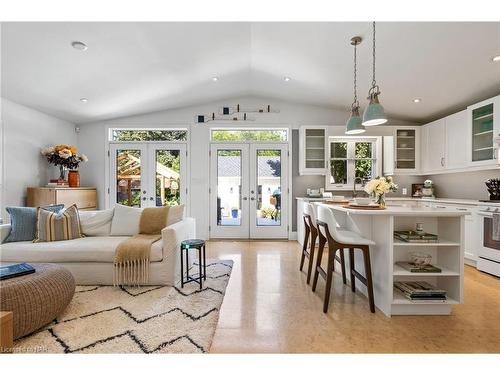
x=245, y=198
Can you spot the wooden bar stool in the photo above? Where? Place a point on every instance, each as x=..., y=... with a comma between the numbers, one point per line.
x=311, y=229
x=339, y=239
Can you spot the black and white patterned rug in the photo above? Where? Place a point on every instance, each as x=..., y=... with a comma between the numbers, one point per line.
x=156, y=319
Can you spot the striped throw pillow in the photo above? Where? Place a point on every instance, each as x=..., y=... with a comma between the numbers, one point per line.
x=61, y=226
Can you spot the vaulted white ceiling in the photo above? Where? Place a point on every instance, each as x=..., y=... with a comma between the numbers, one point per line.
x=132, y=68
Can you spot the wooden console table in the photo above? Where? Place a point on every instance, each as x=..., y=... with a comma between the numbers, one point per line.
x=85, y=198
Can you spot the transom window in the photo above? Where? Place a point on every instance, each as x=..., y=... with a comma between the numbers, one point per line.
x=350, y=159
x=148, y=135
x=245, y=135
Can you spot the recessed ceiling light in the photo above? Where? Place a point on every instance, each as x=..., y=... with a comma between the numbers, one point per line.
x=215, y=79
x=496, y=58
x=417, y=100
x=79, y=46
x=287, y=79
x=84, y=100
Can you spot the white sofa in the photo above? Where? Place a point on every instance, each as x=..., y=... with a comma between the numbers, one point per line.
x=90, y=259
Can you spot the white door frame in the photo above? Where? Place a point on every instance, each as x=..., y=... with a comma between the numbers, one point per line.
x=248, y=227
x=148, y=171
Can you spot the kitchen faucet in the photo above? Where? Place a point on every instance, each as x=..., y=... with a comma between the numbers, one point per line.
x=354, y=193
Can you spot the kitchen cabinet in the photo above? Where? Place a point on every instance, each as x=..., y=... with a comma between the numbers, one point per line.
x=406, y=150
x=433, y=153
x=312, y=150
x=388, y=162
x=483, y=128
x=402, y=151
x=456, y=139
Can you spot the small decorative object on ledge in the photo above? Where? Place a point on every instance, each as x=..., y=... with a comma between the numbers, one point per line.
x=66, y=157
x=234, y=113
x=379, y=187
x=239, y=109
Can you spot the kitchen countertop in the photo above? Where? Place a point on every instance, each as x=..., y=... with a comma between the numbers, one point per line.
x=399, y=211
x=469, y=202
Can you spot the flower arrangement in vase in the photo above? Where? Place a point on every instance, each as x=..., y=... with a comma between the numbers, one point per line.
x=65, y=157
x=379, y=187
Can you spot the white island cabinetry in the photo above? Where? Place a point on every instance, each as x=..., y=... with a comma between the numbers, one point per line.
x=447, y=254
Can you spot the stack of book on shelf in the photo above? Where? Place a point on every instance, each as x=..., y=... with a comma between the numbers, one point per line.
x=412, y=236
x=418, y=268
x=420, y=291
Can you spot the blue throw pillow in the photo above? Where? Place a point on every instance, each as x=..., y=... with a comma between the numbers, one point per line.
x=23, y=222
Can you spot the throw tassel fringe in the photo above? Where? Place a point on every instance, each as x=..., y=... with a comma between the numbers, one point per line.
x=131, y=273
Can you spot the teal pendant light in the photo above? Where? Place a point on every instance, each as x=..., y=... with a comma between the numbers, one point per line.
x=374, y=113
x=354, y=125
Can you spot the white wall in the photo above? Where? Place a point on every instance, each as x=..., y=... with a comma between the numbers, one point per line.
x=25, y=132
x=92, y=141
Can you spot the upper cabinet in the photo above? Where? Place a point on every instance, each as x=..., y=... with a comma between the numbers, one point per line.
x=456, y=139
x=434, y=153
x=483, y=127
x=402, y=151
x=312, y=150
x=463, y=140
x=406, y=150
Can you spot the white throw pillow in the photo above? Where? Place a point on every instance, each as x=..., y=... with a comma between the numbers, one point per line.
x=96, y=223
x=125, y=221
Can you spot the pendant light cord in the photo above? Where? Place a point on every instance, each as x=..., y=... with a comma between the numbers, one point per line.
x=374, y=83
x=355, y=103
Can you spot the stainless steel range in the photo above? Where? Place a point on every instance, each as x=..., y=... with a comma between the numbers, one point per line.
x=489, y=249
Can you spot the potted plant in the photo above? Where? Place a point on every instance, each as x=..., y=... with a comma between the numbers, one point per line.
x=65, y=157
x=379, y=187
x=234, y=212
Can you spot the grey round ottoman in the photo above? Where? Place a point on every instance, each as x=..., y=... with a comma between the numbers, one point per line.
x=36, y=299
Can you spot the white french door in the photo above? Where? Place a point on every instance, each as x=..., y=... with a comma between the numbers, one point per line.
x=147, y=174
x=249, y=190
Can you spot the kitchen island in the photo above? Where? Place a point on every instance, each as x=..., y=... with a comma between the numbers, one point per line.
x=447, y=253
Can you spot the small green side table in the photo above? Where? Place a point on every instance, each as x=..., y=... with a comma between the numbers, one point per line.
x=202, y=263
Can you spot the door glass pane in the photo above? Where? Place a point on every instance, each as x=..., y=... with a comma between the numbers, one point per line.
x=229, y=187
x=482, y=133
x=128, y=177
x=168, y=184
x=268, y=188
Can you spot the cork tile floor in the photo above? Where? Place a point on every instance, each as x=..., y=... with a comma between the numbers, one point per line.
x=269, y=308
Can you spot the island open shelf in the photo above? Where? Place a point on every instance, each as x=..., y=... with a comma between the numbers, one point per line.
x=447, y=254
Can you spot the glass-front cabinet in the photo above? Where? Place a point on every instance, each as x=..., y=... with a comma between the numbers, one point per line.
x=406, y=150
x=484, y=128
x=312, y=150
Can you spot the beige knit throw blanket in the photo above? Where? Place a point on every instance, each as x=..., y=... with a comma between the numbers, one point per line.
x=131, y=266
